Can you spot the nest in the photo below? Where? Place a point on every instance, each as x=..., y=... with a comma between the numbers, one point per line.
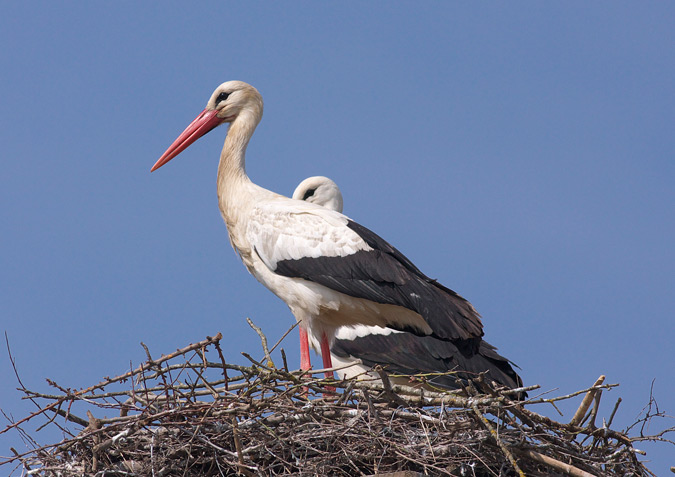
x=185, y=414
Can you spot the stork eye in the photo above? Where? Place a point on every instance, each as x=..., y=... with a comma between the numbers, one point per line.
x=308, y=194
x=222, y=97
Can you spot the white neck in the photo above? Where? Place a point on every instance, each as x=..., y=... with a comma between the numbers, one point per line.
x=232, y=178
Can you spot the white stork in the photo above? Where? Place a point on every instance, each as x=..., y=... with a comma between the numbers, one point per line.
x=320, y=190
x=400, y=352
x=328, y=269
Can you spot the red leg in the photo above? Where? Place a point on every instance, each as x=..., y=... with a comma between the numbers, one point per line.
x=325, y=355
x=305, y=361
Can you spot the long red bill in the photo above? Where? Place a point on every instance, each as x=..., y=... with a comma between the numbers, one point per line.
x=206, y=121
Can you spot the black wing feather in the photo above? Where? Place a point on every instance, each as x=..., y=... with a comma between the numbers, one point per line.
x=385, y=275
x=403, y=353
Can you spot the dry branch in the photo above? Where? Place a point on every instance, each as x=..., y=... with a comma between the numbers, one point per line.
x=183, y=415
x=586, y=402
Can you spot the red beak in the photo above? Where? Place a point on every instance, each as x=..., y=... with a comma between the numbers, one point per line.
x=206, y=121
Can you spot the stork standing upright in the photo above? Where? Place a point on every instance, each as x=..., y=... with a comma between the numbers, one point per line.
x=328, y=269
x=357, y=349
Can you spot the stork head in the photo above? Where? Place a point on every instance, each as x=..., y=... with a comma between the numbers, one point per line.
x=230, y=100
x=320, y=190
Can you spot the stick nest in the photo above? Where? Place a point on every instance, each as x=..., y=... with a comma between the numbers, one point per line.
x=192, y=414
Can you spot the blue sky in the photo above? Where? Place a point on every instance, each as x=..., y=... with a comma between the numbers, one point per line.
x=521, y=153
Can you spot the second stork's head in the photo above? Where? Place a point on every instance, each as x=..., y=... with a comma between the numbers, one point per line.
x=320, y=190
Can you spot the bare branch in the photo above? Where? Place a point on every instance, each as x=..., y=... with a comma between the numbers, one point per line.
x=178, y=416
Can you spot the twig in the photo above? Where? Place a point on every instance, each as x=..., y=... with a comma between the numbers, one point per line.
x=71, y=417
x=371, y=407
x=495, y=436
x=237, y=445
x=121, y=377
x=586, y=402
x=611, y=416
x=295, y=325
x=222, y=360
x=570, y=395
x=386, y=384
x=283, y=360
x=555, y=464
x=596, y=408
x=147, y=353
x=263, y=340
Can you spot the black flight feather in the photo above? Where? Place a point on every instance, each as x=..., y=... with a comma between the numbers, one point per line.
x=404, y=353
x=384, y=275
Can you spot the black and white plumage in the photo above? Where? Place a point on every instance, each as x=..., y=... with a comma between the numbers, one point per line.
x=400, y=352
x=328, y=269
x=403, y=353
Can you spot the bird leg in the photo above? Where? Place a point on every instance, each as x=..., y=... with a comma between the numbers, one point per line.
x=305, y=361
x=325, y=355
x=327, y=363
